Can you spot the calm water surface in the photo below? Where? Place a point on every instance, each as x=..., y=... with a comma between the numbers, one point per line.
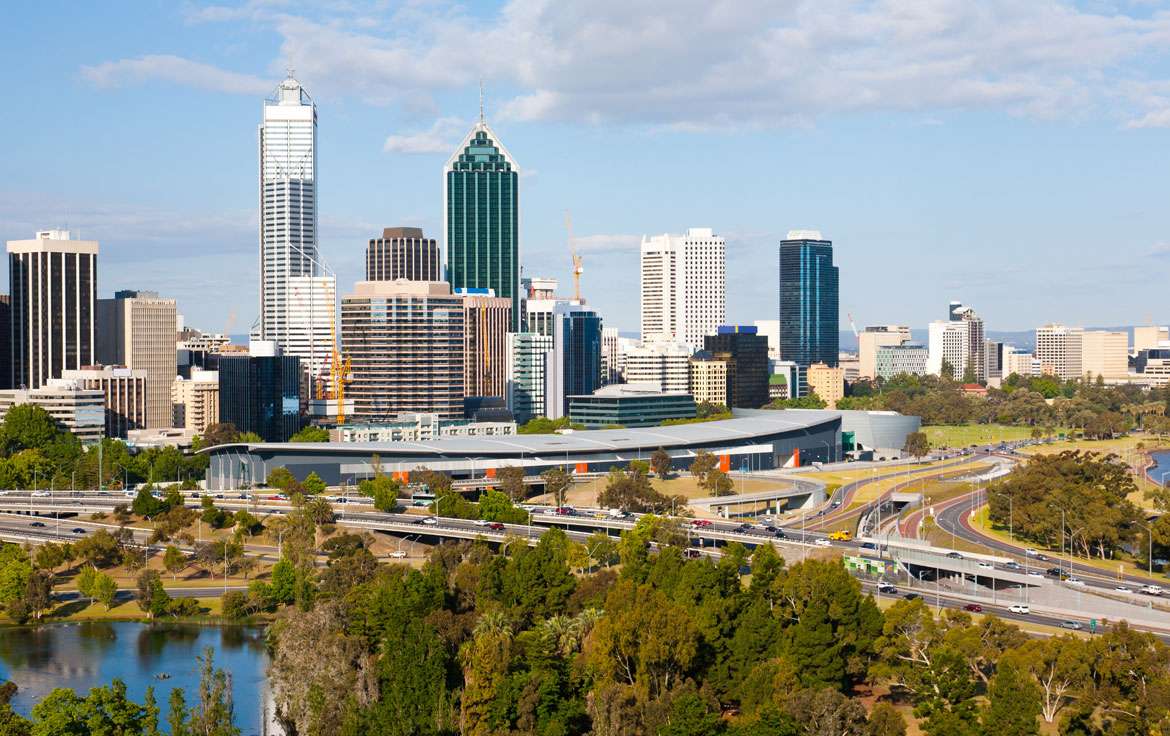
x=1161, y=474
x=85, y=655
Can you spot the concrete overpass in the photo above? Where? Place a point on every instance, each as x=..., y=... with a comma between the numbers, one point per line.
x=791, y=493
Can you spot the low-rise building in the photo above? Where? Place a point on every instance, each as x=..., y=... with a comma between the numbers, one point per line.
x=195, y=400
x=125, y=393
x=906, y=357
x=630, y=405
x=777, y=387
x=827, y=382
x=664, y=363
x=708, y=378
x=80, y=411
x=418, y=427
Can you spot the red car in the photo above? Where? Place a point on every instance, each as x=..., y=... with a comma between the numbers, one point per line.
x=497, y=526
x=973, y=608
x=700, y=522
x=275, y=498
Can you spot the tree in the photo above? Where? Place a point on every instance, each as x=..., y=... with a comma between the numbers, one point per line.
x=718, y=483
x=511, y=479
x=885, y=720
x=1013, y=701
x=105, y=590
x=556, y=481
x=48, y=556
x=691, y=716
x=630, y=490
x=218, y=434
x=144, y=590
x=15, y=569
x=383, y=489
x=38, y=593
x=314, y=484
x=826, y=712
x=284, y=581
x=27, y=427
x=174, y=561
x=86, y=579
x=661, y=462
x=311, y=434
x=98, y=549
x=280, y=478
x=213, y=713
x=702, y=464
x=146, y=505
x=917, y=444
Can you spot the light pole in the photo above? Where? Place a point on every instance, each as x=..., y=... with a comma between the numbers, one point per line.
x=1061, y=529
x=828, y=452
x=279, y=544
x=1011, y=515
x=1150, y=539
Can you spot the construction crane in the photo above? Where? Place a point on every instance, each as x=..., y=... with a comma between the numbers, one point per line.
x=854, y=326
x=1149, y=321
x=232, y=317
x=339, y=371
x=576, y=260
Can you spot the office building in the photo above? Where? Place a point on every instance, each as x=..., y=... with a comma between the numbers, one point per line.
x=136, y=329
x=419, y=428
x=683, y=290
x=1020, y=362
x=403, y=253
x=526, y=357
x=195, y=400
x=486, y=321
x=573, y=366
x=262, y=392
x=746, y=354
x=1059, y=349
x=850, y=364
x=630, y=405
x=481, y=228
x=907, y=357
x=770, y=329
x=540, y=305
x=1149, y=338
x=5, y=342
x=795, y=377
x=311, y=318
x=1105, y=353
x=53, y=292
x=613, y=359
x=708, y=376
x=79, y=411
x=808, y=299
x=874, y=337
x=958, y=343
x=992, y=360
x=666, y=364
x=827, y=383
x=288, y=204
x=406, y=341
x=125, y=393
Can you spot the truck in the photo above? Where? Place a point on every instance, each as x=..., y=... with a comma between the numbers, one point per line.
x=618, y=514
x=841, y=536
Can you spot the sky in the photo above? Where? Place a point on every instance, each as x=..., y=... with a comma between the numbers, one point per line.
x=1011, y=155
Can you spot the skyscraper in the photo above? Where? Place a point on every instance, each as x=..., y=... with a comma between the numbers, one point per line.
x=288, y=204
x=261, y=392
x=481, y=228
x=746, y=354
x=53, y=289
x=136, y=329
x=310, y=320
x=573, y=366
x=808, y=299
x=403, y=253
x=683, y=292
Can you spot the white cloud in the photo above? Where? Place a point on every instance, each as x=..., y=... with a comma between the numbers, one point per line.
x=1152, y=119
x=442, y=137
x=167, y=68
x=697, y=65
x=1159, y=249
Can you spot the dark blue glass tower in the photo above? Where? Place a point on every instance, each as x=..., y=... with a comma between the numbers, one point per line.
x=261, y=394
x=808, y=299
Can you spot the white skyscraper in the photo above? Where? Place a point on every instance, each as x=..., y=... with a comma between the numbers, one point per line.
x=288, y=207
x=309, y=335
x=683, y=292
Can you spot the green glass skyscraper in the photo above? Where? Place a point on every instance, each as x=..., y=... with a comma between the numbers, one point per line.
x=482, y=227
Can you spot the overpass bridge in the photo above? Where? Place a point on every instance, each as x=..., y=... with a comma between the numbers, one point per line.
x=791, y=493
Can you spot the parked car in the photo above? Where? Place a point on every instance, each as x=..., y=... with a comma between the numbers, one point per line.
x=1019, y=608
x=1070, y=625
x=973, y=608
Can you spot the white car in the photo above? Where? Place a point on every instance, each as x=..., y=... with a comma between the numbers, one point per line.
x=886, y=588
x=1035, y=574
x=822, y=542
x=398, y=555
x=1075, y=581
x=1151, y=590
x=1019, y=608
x=1123, y=589
x=40, y=494
x=481, y=522
x=987, y=565
x=430, y=520
x=1031, y=552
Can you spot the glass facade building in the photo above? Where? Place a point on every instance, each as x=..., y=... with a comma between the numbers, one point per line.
x=481, y=228
x=261, y=394
x=746, y=354
x=808, y=299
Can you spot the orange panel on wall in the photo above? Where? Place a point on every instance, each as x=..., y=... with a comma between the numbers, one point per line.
x=402, y=475
x=491, y=472
x=581, y=468
x=796, y=458
x=725, y=463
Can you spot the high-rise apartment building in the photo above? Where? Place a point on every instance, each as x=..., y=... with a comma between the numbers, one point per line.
x=666, y=364
x=403, y=253
x=261, y=392
x=874, y=337
x=1058, y=348
x=808, y=299
x=827, y=383
x=310, y=321
x=1105, y=353
x=959, y=344
x=406, y=343
x=683, y=290
x=573, y=365
x=486, y=321
x=136, y=329
x=196, y=400
x=907, y=357
x=527, y=355
x=125, y=392
x=53, y=290
x=482, y=223
x=746, y=354
x=288, y=204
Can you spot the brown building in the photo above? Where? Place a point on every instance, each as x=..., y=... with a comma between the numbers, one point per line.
x=406, y=343
x=486, y=321
x=125, y=392
x=403, y=253
x=137, y=329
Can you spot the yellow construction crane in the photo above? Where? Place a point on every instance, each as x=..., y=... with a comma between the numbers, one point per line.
x=576, y=260
x=339, y=371
x=232, y=316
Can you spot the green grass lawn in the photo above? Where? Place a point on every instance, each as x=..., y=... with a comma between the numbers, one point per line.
x=974, y=434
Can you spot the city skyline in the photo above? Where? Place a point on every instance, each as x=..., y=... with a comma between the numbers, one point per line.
x=976, y=163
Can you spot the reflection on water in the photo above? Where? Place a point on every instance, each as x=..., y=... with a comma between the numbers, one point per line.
x=86, y=655
x=1161, y=473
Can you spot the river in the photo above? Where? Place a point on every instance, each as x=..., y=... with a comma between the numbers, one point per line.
x=84, y=655
x=1161, y=473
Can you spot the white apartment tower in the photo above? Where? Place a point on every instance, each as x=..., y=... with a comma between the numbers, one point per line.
x=683, y=292
x=1058, y=348
x=288, y=208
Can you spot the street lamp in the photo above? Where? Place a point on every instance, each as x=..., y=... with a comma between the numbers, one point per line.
x=1011, y=515
x=1150, y=539
x=1061, y=528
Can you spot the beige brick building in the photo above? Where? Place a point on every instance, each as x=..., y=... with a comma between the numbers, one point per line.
x=195, y=400
x=708, y=378
x=827, y=383
x=1105, y=353
x=136, y=329
x=125, y=395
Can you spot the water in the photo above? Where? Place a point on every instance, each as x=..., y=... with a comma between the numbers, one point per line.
x=1161, y=473
x=85, y=655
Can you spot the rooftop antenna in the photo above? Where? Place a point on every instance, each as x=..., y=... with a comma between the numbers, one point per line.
x=290, y=66
x=481, y=99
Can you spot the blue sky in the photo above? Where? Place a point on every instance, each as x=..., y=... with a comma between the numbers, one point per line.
x=1011, y=155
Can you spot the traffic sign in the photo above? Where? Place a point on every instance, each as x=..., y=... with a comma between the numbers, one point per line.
x=1092, y=623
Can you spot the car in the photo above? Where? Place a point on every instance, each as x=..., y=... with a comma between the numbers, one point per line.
x=242, y=495
x=1075, y=581
x=1042, y=558
x=835, y=504
x=496, y=526
x=430, y=520
x=955, y=555
x=973, y=608
x=1034, y=574
x=987, y=565
x=75, y=503
x=481, y=522
x=1019, y=608
x=1012, y=565
x=691, y=553
x=911, y=596
x=40, y=494
x=868, y=545
x=885, y=587
x=1031, y=552
x=1070, y=625
x=600, y=516
x=38, y=524
x=822, y=542
x=1123, y=589
x=744, y=527
x=78, y=530
x=780, y=534
x=398, y=554
x=771, y=528
x=1054, y=572
x=701, y=522
x=1151, y=590
x=564, y=511
x=274, y=498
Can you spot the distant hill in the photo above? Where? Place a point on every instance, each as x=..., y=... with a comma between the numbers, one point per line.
x=1025, y=339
